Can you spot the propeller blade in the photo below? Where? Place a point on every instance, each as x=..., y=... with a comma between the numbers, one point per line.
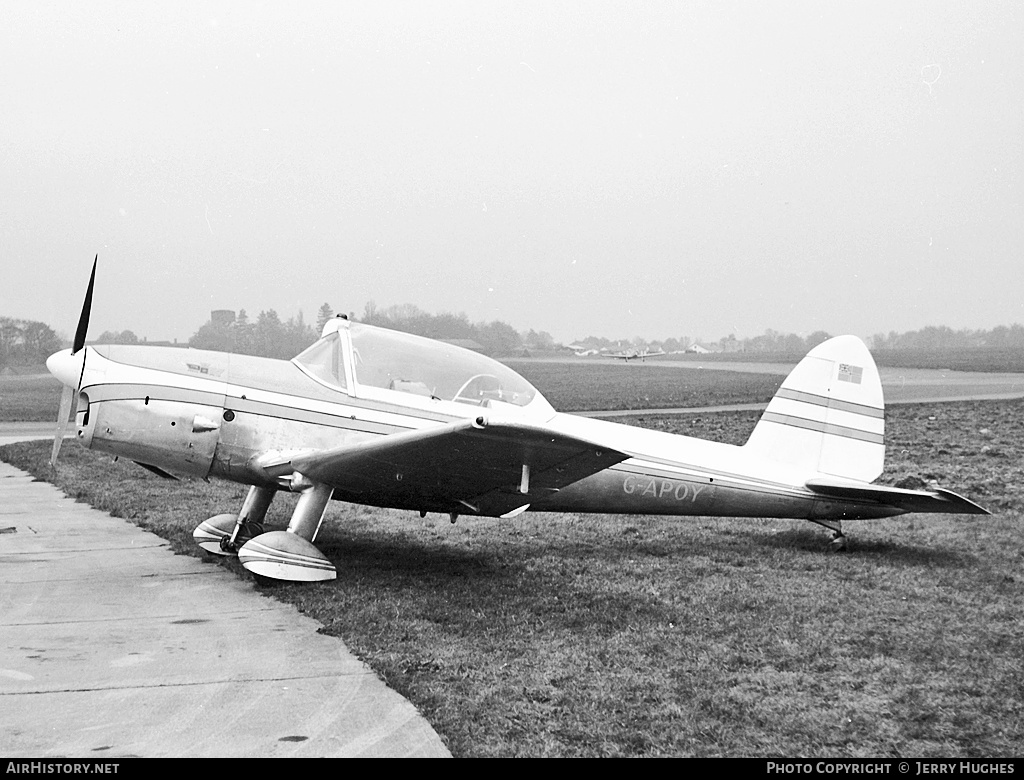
x=69, y=396
x=83, y=320
x=68, y=399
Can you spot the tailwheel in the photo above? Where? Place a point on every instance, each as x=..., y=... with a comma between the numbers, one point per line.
x=838, y=542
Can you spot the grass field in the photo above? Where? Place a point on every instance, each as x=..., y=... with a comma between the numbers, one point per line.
x=987, y=359
x=579, y=386
x=29, y=398
x=584, y=635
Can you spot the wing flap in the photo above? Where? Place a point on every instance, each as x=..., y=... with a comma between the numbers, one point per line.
x=938, y=500
x=487, y=467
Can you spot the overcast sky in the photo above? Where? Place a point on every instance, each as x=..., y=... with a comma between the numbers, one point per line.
x=585, y=168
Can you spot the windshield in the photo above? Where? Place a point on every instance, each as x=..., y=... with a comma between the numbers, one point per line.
x=324, y=361
x=411, y=364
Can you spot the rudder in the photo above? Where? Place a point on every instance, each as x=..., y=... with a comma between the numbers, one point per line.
x=829, y=414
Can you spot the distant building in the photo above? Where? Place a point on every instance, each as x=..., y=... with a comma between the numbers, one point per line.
x=147, y=343
x=700, y=349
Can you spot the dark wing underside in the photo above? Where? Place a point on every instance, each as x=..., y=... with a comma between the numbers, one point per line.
x=471, y=466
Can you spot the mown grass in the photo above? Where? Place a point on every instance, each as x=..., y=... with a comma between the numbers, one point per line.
x=986, y=359
x=997, y=359
x=29, y=398
x=584, y=635
x=581, y=386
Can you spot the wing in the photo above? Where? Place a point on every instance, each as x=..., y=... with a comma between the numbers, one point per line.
x=476, y=466
x=938, y=500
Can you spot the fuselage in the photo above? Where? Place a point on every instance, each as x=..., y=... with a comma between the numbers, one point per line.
x=212, y=414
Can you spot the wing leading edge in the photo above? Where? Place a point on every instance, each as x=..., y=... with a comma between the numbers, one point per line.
x=478, y=466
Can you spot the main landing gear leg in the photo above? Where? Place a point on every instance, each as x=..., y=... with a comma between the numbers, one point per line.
x=250, y=519
x=224, y=534
x=290, y=555
x=838, y=543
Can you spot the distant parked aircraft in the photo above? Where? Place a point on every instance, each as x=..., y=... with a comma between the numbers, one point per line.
x=633, y=354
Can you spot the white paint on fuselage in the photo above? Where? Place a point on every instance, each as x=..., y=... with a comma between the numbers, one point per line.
x=683, y=454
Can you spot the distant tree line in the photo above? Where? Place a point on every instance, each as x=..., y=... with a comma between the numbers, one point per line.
x=930, y=339
x=770, y=341
x=26, y=342
x=29, y=343
x=115, y=337
x=942, y=337
x=268, y=336
x=495, y=338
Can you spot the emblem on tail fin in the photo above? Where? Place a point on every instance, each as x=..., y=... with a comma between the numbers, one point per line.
x=848, y=373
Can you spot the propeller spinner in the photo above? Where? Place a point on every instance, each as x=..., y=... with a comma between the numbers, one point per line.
x=60, y=363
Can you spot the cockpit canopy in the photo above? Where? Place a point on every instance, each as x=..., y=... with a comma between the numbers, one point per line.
x=354, y=357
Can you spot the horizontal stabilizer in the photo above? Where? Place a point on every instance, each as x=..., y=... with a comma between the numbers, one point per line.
x=935, y=501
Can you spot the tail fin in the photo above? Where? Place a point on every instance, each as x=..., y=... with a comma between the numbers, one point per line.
x=828, y=416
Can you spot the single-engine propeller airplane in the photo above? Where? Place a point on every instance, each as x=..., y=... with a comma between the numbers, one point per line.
x=374, y=416
x=633, y=354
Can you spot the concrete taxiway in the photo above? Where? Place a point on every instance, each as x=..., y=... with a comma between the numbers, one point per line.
x=113, y=646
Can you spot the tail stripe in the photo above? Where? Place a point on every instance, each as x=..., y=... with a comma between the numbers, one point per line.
x=828, y=417
x=831, y=403
x=821, y=427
